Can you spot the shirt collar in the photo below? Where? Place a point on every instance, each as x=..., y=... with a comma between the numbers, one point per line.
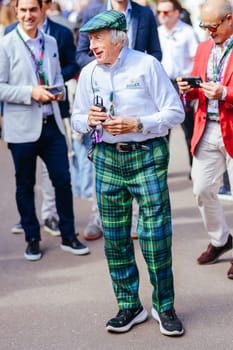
x=228, y=41
x=119, y=61
x=177, y=27
x=27, y=37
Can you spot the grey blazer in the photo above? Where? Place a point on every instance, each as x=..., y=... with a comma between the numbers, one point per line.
x=22, y=120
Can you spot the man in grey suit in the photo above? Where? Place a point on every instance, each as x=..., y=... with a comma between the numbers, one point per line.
x=29, y=69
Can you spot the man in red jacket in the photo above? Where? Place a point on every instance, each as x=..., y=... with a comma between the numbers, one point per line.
x=212, y=142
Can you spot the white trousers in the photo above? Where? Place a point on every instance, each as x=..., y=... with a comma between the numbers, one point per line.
x=209, y=163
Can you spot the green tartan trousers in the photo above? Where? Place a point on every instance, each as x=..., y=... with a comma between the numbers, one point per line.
x=120, y=177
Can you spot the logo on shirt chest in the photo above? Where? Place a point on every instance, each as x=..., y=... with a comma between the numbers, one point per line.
x=133, y=84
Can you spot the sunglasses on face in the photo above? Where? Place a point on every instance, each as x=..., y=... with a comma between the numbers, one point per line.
x=165, y=13
x=212, y=27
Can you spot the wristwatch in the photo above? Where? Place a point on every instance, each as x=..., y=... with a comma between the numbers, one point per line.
x=139, y=126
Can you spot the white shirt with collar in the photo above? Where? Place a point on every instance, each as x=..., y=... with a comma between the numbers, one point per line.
x=178, y=47
x=35, y=46
x=145, y=92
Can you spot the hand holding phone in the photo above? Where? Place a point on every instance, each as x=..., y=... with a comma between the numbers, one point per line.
x=194, y=82
x=55, y=90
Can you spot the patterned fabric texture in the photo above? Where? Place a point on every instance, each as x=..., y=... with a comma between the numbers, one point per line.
x=141, y=174
x=108, y=19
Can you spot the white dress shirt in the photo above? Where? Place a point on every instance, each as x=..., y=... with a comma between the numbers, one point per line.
x=178, y=47
x=35, y=46
x=140, y=88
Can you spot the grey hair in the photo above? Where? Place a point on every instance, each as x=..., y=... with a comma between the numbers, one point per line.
x=227, y=7
x=119, y=36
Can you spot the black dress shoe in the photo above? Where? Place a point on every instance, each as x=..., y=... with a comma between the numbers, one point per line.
x=33, y=251
x=126, y=319
x=74, y=246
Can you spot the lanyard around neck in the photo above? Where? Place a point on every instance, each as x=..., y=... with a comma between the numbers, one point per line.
x=38, y=63
x=218, y=67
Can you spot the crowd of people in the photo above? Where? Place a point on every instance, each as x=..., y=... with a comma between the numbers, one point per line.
x=74, y=108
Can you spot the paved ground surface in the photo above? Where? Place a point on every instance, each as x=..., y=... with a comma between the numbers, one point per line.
x=62, y=302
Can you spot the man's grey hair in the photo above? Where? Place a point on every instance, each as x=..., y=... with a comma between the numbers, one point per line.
x=227, y=7
x=119, y=36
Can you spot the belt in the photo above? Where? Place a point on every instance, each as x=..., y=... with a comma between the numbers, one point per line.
x=124, y=147
x=48, y=119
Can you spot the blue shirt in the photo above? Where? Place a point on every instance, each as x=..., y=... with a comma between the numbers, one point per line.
x=140, y=88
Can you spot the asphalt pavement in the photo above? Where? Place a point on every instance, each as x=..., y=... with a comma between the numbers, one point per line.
x=63, y=301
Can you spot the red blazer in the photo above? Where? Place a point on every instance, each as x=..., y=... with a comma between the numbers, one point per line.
x=225, y=107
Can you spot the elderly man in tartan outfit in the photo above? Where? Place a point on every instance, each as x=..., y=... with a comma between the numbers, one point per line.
x=130, y=154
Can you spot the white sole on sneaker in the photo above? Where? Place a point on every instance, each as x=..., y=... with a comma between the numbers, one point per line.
x=138, y=319
x=52, y=232
x=17, y=231
x=164, y=331
x=83, y=251
x=225, y=197
x=33, y=257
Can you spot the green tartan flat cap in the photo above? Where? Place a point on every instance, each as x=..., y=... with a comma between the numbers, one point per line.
x=108, y=19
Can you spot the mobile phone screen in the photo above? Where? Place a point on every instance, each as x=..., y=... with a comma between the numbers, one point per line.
x=56, y=90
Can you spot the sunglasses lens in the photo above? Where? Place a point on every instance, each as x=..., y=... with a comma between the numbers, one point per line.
x=165, y=13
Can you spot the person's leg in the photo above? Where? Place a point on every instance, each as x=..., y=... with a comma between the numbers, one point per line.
x=75, y=168
x=187, y=127
x=24, y=156
x=149, y=187
x=53, y=151
x=230, y=178
x=82, y=170
x=209, y=164
x=48, y=208
x=130, y=174
x=115, y=207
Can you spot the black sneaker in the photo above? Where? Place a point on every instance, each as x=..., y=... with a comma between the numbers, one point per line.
x=169, y=322
x=51, y=226
x=126, y=319
x=17, y=228
x=33, y=251
x=74, y=246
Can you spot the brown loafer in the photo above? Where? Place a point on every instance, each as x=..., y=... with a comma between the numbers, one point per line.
x=213, y=253
x=230, y=271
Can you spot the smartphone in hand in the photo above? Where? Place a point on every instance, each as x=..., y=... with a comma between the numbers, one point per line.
x=194, y=82
x=56, y=90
